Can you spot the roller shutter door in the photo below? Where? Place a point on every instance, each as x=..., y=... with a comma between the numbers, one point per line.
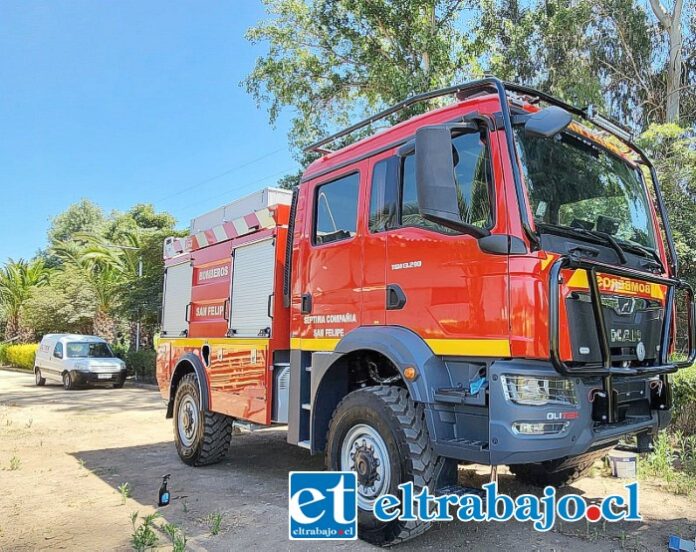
x=177, y=296
x=252, y=283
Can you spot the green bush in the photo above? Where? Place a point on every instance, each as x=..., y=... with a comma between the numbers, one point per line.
x=3, y=353
x=142, y=364
x=684, y=394
x=21, y=356
x=120, y=350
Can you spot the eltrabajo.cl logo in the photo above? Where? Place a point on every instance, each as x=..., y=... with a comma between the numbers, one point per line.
x=323, y=506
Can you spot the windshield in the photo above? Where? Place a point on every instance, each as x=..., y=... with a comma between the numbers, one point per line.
x=576, y=184
x=88, y=350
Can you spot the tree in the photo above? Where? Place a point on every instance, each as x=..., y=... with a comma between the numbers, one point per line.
x=671, y=23
x=542, y=44
x=17, y=280
x=332, y=60
x=673, y=151
x=83, y=216
x=67, y=304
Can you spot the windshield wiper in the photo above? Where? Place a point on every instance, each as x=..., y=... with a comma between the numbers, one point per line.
x=655, y=261
x=596, y=234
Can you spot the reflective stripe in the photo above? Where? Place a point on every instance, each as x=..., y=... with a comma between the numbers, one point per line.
x=200, y=341
x=449, y=347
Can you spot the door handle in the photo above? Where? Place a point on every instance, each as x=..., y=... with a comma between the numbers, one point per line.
x=306, y=303
x=396, y=298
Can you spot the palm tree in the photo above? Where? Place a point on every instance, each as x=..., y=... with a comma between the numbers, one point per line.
x=17, y=280
x=107, y=268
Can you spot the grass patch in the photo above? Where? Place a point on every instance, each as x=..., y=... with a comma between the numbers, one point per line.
x=15, y=463
x=176, y=536
x=125, y=490
x=214, y=522
x=144, y=536
x=673, y=460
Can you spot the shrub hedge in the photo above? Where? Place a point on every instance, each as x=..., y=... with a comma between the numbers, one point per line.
x=684, y=394
x=142, y=364
x=20, y=356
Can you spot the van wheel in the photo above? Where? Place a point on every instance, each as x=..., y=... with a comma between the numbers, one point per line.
x=37, y=374
x=68, y=382
x=201, y=438
x=380, y=433
x=557, y=473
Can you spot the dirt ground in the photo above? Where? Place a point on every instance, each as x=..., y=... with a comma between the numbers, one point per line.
x=71, y=450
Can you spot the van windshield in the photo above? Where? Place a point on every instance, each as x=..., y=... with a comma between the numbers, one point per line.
x=88, y=350
x=575, y=184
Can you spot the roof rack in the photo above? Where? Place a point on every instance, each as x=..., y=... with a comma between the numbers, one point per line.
x=473, y=87
x=470, y=89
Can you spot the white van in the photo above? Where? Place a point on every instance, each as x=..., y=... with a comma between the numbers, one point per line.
x=73, y=359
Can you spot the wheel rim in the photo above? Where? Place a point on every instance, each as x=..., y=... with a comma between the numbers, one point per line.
x=187, y=421
x=38, y=376
x=66, y=379
x=365, y=452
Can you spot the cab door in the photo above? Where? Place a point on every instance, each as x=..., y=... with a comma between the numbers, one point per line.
x=439, y=282
x=331, y=268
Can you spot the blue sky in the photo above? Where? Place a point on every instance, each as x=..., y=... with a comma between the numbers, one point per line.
x=126, y=102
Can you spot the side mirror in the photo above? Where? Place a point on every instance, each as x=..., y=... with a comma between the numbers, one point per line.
x=435, y=181
x=58, y=354
x=548, y=122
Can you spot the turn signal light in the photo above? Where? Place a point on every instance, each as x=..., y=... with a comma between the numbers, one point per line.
x=410, y=373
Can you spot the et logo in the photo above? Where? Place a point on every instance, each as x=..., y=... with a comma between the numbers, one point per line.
x=322, y=506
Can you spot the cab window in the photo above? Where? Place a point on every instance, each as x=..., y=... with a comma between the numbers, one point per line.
x=58, y=351
x=383, y=196
x=335, y=210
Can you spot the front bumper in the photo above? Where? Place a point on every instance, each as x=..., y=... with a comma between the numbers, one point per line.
x=501, y=444
x=98, y=378
x=581, y=434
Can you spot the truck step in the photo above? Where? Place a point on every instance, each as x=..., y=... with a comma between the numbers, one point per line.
x=305, y=444
x=460, y=490
x=469, y=444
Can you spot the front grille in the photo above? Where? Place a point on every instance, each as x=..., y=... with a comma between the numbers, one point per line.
x=633, y=328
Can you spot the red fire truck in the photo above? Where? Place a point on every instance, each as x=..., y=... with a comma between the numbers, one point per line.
x=494, y=281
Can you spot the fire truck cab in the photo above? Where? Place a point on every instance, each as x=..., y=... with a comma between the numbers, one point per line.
x=493, y=281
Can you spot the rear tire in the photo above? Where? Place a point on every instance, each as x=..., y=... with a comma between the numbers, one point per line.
x=68, y=382
x=557, y=473
x=37, y=374
x=201, y=438
x=380, y=433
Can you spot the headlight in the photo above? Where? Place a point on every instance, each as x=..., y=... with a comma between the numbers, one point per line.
x=538, y=391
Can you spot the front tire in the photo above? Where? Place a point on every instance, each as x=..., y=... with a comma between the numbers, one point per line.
x=38, y=378
x=68, y=382
x=201, y=438
x=380, y=433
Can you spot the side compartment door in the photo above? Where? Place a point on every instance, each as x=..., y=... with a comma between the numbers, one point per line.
x=252, y=289
x=177, y=296
x=439, y=282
